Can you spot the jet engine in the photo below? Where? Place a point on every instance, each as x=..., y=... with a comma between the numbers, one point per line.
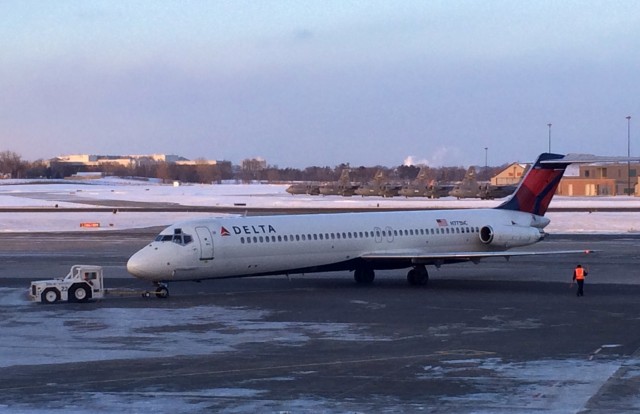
x=510, y=236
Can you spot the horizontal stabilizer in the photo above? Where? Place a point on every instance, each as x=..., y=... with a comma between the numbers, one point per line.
x=587, y=159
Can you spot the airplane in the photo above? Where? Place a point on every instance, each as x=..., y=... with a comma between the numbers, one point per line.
x=421, y=186
x=362, y=242
x=470, y=187
x=430, y=189
x=489, y=192
x=304, y=188
x=342, y=187
x=379, y=186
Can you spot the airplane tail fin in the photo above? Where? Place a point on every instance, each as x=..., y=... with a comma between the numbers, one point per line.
x=538, y=186
x=344, y=177
x=470, y=176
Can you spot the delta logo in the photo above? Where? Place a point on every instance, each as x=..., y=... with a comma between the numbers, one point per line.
x=249, y=230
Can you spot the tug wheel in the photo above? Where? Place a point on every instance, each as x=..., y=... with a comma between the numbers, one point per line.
x=50, y=296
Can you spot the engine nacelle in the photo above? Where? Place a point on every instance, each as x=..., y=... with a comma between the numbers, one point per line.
x=510, y=236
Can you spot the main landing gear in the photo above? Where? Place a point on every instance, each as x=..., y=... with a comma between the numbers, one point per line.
x=417, y=276
x=364, y=275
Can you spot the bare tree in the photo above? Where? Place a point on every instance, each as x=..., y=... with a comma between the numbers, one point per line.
x=11, y=163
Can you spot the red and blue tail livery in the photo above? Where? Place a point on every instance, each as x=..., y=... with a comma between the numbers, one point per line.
x=536, y=190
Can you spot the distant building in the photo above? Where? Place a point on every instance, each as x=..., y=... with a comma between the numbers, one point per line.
x=198, y=162
x=68, y=165
x=602, y=180
x=577, y=186
x=622, y=173
x=124, y=160
x=511, y=175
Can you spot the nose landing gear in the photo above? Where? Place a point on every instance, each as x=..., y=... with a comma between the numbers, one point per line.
x=162, y=291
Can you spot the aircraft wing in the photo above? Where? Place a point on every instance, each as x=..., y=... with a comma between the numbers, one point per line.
x=442, y=258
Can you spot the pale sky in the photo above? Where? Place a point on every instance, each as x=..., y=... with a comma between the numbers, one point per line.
x=303, y=83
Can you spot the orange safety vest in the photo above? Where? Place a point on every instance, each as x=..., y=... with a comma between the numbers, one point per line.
x=579, y=273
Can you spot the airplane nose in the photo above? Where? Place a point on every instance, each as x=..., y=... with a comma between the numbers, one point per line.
x=138, y=265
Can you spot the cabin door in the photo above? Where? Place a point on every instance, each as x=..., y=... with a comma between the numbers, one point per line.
x=206, y=243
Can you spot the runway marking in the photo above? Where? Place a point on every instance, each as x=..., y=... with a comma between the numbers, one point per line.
x=435, y=355
x=597, y=351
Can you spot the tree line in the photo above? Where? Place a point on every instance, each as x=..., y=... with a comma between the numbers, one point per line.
x=13, y=166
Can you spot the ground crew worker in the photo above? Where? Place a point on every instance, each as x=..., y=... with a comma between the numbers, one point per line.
x=578, y=275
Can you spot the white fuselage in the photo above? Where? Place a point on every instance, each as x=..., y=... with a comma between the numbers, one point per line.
x=252, y=246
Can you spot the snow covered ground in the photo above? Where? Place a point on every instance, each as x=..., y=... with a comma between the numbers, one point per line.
x=24, y=194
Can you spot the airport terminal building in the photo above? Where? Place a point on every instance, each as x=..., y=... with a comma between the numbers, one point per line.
x=602, y=180
x=592, y=180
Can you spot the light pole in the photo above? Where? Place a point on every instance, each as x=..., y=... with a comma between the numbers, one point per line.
x=549, y=125
x=486, y=167
x=629, y=154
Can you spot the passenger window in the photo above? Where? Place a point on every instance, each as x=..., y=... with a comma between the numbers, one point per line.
x=242, y=240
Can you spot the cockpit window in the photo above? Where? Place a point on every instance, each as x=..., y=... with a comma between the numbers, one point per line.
x=178, y=238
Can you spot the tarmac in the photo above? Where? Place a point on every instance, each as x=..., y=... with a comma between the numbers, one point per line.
x=495, y=337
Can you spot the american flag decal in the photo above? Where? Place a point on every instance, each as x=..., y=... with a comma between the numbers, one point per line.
x=442, y=222
x=224, y=232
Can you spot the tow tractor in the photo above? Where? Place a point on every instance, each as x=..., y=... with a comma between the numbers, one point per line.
x=83, y=282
